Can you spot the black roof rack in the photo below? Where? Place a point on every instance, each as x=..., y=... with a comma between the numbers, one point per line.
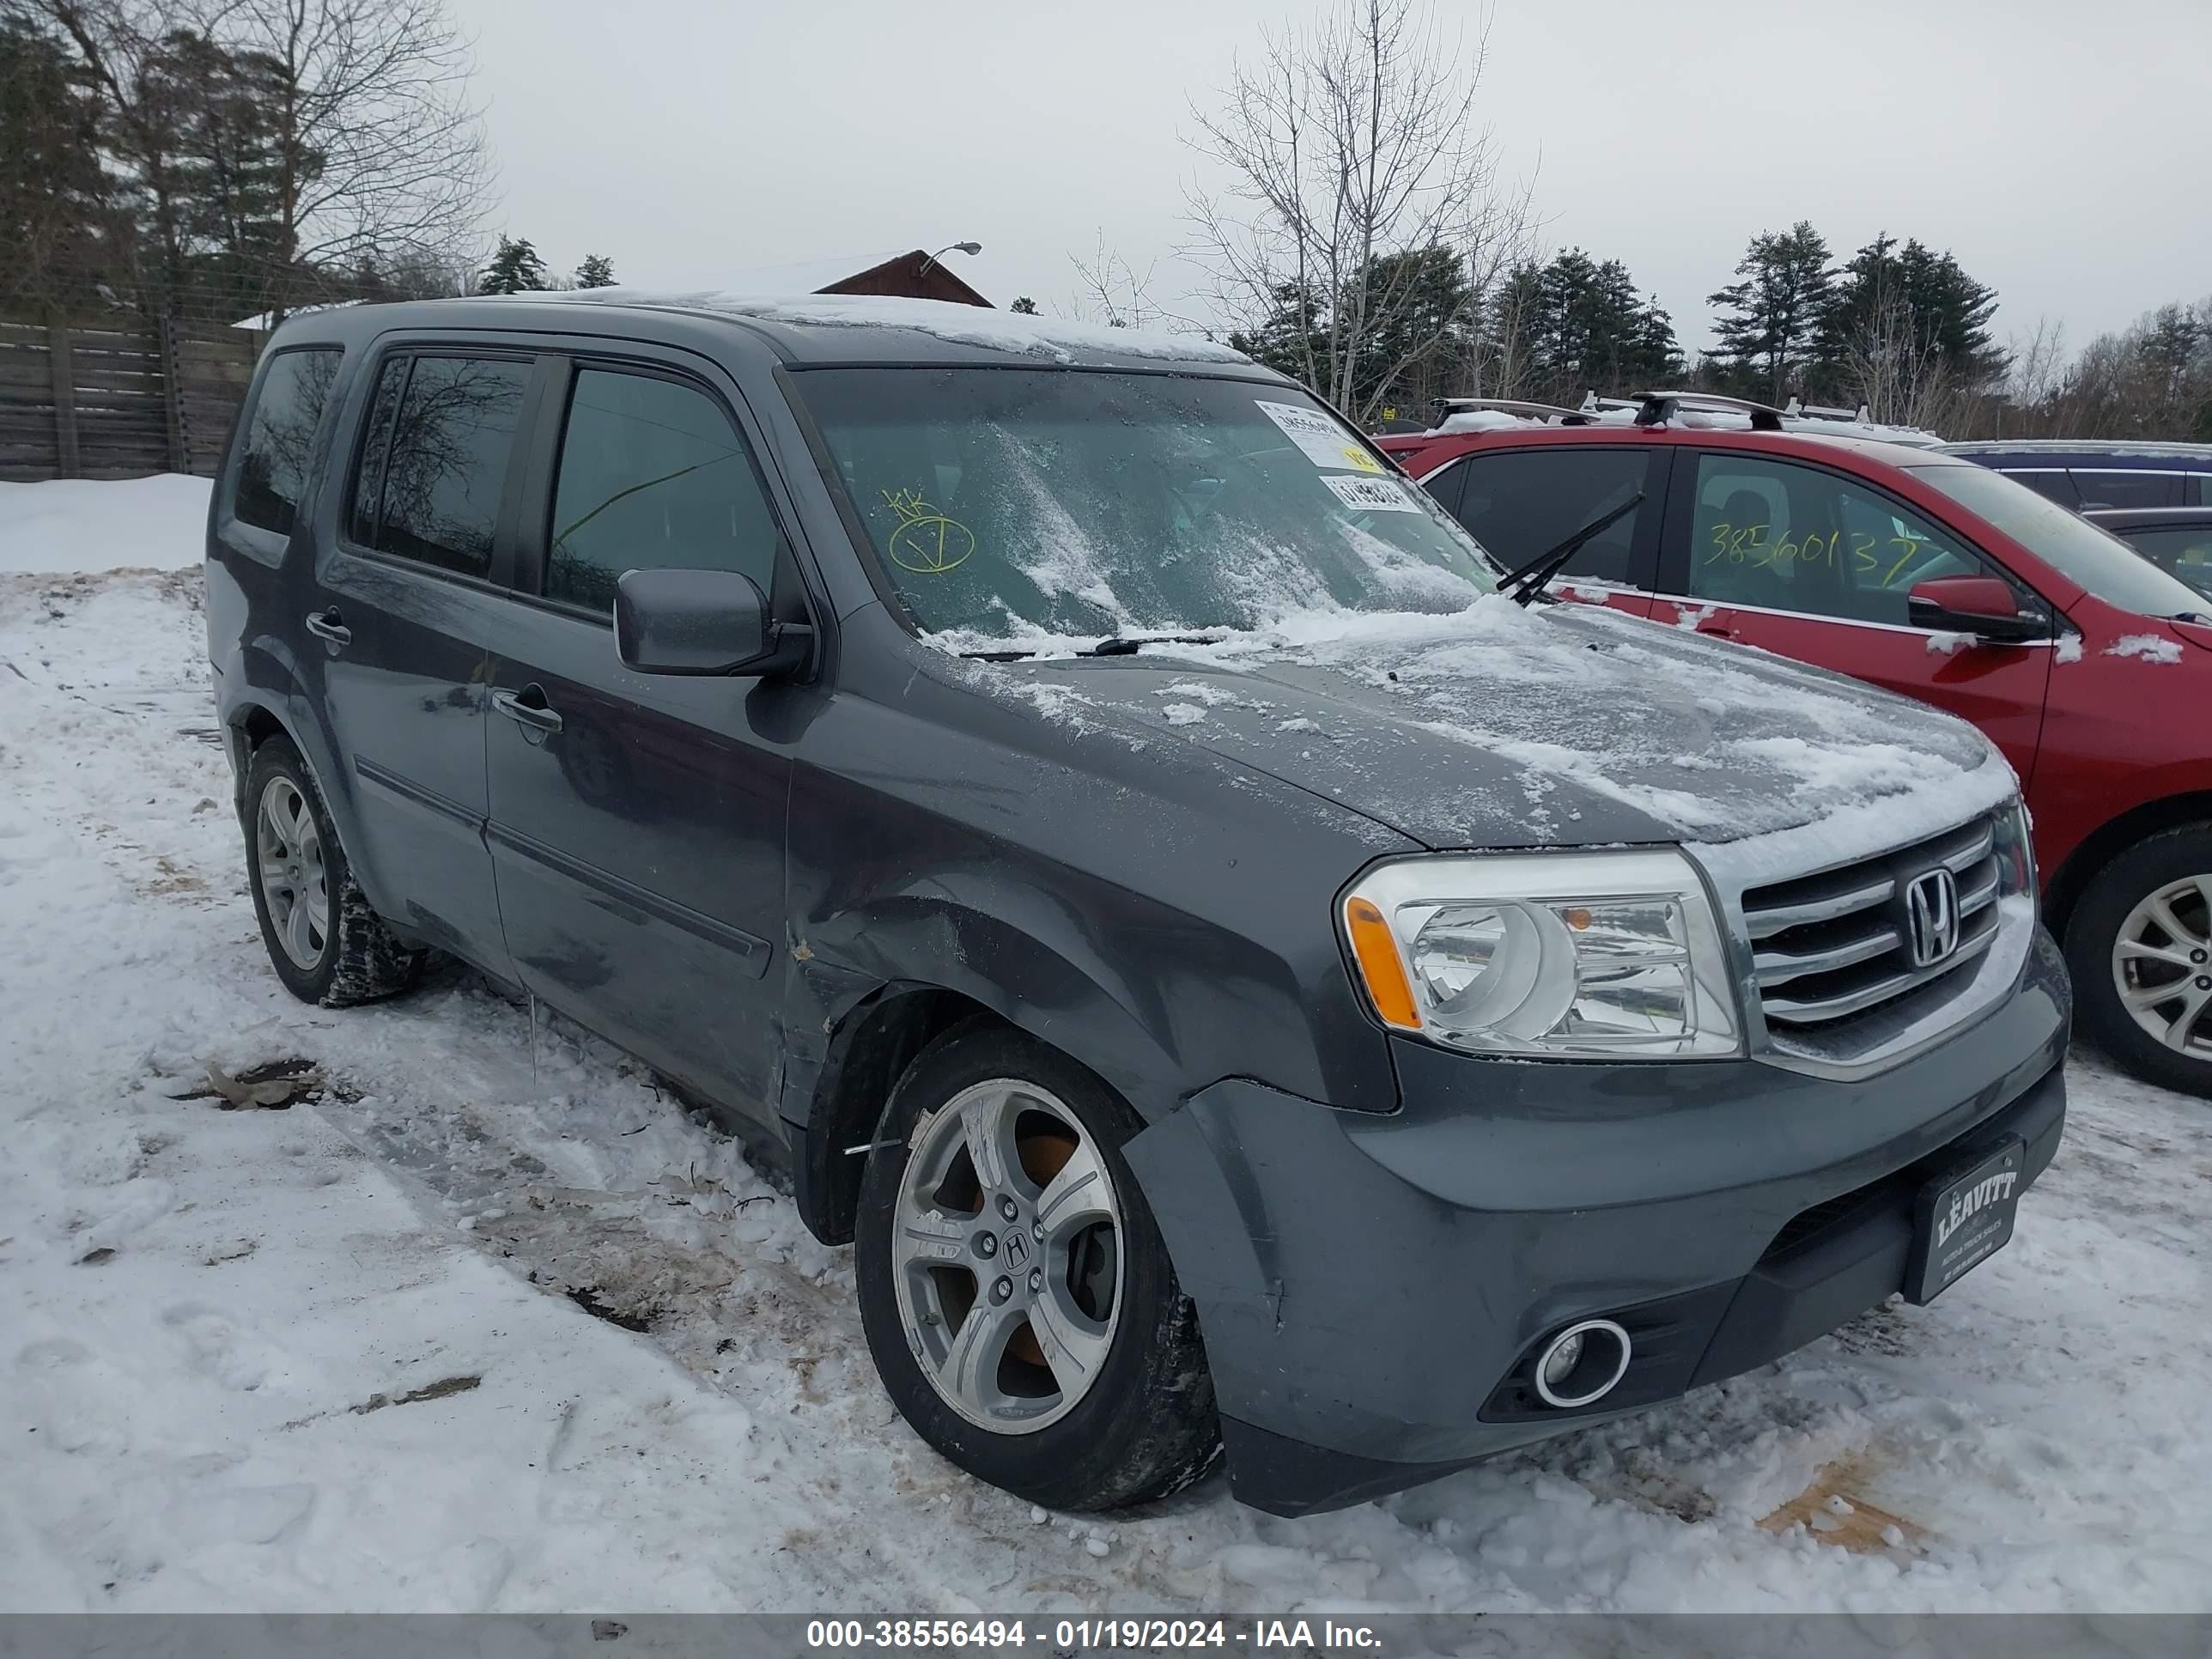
x=1661, y=407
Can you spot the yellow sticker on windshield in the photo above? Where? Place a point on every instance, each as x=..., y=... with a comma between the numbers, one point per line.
x=926, y=542
x=1360, y=459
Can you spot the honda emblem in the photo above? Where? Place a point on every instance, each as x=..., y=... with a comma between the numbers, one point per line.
x=1931, y=906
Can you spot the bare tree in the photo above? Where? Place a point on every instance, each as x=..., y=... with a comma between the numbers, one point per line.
x=368, y=149
x=1349, y=149
x=382, y=153
x=1112, y=291
x=1892, y=368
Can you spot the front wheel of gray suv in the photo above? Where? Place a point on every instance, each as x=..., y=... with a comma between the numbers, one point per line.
x=1015, y=1290
x=324, y=941
x=2139, y=944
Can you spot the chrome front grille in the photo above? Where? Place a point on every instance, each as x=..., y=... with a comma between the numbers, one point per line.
x=1834, y=949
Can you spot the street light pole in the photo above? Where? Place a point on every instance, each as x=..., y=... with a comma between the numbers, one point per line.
x=950, y=247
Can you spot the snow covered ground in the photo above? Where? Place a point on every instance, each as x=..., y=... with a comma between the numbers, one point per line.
x=373, y=1351
x=160, y=523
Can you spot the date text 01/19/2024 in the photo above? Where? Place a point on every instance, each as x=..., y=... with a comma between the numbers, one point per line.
x=1090, y=1635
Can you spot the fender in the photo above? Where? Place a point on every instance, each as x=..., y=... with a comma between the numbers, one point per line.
x=263, y=682
x=1007, y=949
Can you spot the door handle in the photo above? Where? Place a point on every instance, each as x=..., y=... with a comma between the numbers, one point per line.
x=527, y=708
x=1715, y=631
x=325, y=625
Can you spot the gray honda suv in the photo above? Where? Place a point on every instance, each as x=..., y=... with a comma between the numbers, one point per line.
x=1247, y=973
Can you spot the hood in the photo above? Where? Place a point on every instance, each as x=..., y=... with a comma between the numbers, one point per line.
x=1555, y=725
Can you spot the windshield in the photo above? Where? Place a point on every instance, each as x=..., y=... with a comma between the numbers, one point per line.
x=2069, y=544
x=1006, y=504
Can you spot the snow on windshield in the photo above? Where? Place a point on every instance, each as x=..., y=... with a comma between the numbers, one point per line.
x=1006, y=504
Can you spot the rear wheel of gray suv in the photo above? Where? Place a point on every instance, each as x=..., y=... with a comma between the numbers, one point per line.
x=2139, y=947
x=1015, y=1290
x=324, y=941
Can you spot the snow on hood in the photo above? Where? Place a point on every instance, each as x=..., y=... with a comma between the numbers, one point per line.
x=961, y=325
x=1556, y=724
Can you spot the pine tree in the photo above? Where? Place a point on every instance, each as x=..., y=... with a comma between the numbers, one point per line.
x=1424, y=330
x=1023, y=305
x=514, y=269
x=597, y=271
x=1943, y=313
x=1774, y=319
x=1582, y=327
x=57, y=229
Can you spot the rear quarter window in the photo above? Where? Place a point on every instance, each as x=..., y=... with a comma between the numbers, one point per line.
x=2120, y=487
x=273, y=455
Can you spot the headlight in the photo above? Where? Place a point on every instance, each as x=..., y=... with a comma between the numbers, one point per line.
x=2016, y=851
x=1577, y=955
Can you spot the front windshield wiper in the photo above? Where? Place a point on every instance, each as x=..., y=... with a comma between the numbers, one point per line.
x=1116, y=645
x=1524, y=584
x=1129, y=645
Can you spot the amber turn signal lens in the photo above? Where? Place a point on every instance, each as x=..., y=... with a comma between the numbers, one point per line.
x=1379, y=965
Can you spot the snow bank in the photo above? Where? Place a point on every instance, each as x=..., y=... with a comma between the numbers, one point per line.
x=81, y=524
x=976, y=325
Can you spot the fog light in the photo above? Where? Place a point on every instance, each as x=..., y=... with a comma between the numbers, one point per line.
x=1581, y=1365
x=1561, y=1359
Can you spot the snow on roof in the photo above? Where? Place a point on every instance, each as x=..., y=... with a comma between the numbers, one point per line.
x=1479, y=420
x=976, y=325
x=265, y=320
x=1728, y=420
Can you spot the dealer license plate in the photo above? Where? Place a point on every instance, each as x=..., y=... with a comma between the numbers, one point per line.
x=1962, y=1219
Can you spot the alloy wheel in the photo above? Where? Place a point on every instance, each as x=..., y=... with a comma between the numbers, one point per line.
x=2162, y=964
x=1007, y=1246
x=288, y=851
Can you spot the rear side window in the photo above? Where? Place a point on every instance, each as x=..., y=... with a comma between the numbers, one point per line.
x=2120, y=487
x=653, y=476
x=435, y=457
x=272, y=465
x=1520, y=503
x=2051, y=483
x=2199, y=490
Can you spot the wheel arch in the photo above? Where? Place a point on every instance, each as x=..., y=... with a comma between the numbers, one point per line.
x=2063, y=889
x=868, y=1051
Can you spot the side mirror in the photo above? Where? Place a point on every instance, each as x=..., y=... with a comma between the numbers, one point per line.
x=699, y=622
x=1985, y=606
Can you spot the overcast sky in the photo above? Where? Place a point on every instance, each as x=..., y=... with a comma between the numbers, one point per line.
x=2060, y=149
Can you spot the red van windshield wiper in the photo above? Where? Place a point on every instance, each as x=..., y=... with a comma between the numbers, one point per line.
x=1524, y=584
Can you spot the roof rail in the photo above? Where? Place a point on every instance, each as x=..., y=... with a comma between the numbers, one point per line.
x=1513, y=406
x=1594, y=405
x=1797, y=409
x=1661, y=407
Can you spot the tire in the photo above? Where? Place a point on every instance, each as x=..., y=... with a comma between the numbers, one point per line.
x=1138, y=1422
x=324, y=941
x=2116, y=935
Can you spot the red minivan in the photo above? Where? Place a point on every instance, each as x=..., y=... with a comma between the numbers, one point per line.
x=2090, y=666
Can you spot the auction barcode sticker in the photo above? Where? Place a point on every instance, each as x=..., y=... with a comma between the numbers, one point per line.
x=1324, y=442
x=1368, y=495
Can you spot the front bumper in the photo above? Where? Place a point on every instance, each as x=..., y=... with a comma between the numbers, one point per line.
x=1367, y=1285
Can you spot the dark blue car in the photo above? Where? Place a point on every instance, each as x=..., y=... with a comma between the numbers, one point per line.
x=2092, y=473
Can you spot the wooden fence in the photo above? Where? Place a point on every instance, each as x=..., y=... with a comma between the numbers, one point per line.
x=108, y=399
